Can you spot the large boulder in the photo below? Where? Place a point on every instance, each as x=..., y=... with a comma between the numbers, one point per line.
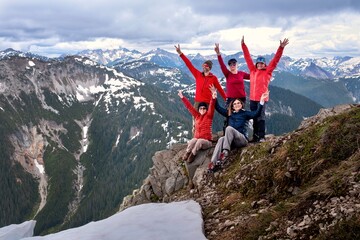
x=169, y=174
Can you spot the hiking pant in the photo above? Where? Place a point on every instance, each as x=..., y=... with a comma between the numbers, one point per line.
x=232, y=138
x=259, y=122
x=195, y=144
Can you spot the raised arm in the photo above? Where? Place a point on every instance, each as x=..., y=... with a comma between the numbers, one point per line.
x=264, y=97
x=187, y=62
x=212, y=102
x=187, y=104
x=257, y=112
x=273, y=63
x=247, y=56
x=219, y=88
x=221, y=61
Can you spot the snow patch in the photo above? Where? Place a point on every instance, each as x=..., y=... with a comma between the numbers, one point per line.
x=18, y=231
x=117, y=140
x=39, y=166
x=2, y=87
x=85, y=140
x=136, y=135
x=176, y=221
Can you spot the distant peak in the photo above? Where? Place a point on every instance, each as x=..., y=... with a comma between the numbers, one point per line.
x=9, y=50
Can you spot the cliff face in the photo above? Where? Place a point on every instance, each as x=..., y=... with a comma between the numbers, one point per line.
x=68, y=128
x=301, y=185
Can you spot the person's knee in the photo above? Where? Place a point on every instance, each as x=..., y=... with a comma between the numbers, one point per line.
x=228, y=130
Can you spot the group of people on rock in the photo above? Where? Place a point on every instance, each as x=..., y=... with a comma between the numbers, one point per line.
x=207, y=86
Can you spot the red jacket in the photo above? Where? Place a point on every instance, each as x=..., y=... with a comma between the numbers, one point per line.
x=260, y=79
x=203, y=123
x=234, y=82
x=202, y=92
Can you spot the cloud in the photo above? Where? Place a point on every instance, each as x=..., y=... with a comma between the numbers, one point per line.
x=313, y=26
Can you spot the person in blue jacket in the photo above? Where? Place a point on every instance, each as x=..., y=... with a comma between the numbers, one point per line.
x=235, y=133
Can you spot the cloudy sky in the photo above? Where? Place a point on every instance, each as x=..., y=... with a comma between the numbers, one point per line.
x=315, y=28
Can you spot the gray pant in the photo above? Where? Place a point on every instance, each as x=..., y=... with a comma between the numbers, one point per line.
x=195, y=144
x=232, y=138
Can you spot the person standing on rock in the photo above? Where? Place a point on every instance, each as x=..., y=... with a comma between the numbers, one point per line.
x=235, y=87
x=203, y=80
x=260, y=75
x=235, y=132
x=203, y=117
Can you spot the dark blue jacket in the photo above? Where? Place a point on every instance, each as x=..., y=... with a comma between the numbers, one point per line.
x=239, y=119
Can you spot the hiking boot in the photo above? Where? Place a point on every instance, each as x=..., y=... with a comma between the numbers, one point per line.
x=186, y=156
x=224, y=155
x=261, y=140
x=255, y=139
x=213, y=168
x=191, y=158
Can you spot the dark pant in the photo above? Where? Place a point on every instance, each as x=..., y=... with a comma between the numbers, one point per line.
x=259, y=122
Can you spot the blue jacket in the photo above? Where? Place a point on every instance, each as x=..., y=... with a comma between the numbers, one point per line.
x=239, y=119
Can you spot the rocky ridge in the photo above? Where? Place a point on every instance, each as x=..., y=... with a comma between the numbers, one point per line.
x=301, y=185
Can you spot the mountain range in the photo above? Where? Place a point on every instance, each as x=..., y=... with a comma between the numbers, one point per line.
x=340, y=76
x=78, y=132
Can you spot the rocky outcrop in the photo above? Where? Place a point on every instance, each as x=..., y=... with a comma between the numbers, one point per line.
x=168, y=175
x=29, y=147
x=300, y=185
x=324, y=113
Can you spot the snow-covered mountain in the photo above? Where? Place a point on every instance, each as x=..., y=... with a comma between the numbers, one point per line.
x=107, y=57
x=7, y=53
x=68, y=127
x=162, y=58
x=311, y=67
x=165, y=78
x=339, y=74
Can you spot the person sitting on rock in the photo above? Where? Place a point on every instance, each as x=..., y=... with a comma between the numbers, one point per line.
x=203, y=117
x=235, y=132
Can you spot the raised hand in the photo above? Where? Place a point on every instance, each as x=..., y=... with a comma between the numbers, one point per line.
x=213, y=91
x=242, y=40
x=217, y=49
x=180, y=94
x=284, y=43
x=178, y=50
x=264, y=96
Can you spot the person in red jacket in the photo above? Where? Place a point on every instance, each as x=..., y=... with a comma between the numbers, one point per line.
x=203, y=80
x=203, y=116
x=235, y=88
x=260, y=75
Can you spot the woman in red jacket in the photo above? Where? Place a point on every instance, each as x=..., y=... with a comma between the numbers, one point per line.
x=203, y=79
x=203, y=116
x=234, y=78
x=260, y=75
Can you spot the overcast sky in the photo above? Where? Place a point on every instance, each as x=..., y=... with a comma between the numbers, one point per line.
x=315, y=28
